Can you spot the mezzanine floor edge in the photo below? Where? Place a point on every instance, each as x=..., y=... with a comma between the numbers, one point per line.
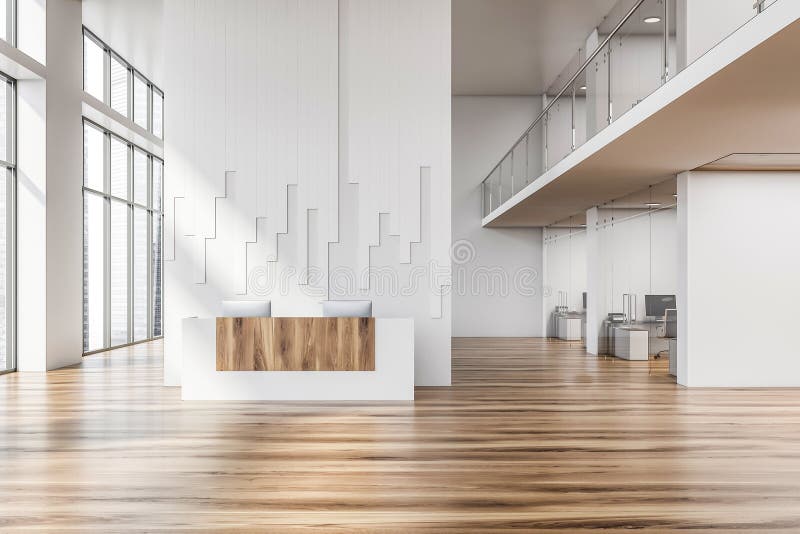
x=534, y=435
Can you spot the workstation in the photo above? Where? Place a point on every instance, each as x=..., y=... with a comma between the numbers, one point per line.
x=634, y=275
x=626, y=336
x=610, y=277
x=564, y=274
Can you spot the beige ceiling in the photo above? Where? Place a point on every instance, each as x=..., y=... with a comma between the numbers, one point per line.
x=751, y=106
x=518, y=47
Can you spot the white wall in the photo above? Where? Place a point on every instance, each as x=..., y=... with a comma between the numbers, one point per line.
x=134, y=29
x=287, y=175
x=702, y=24
x=483, y=130
x=565, y=270
x=738, y=292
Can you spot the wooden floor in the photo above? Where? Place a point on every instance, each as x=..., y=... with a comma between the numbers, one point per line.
x=534, y=436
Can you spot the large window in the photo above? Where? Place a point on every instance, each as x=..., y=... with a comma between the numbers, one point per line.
x=122, y=291
x=8, y=21
x=7, y=221
x=112, y=80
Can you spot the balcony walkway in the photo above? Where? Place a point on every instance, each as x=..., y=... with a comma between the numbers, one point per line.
x=741, y=97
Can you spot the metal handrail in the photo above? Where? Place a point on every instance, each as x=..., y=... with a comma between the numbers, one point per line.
x=569, y=83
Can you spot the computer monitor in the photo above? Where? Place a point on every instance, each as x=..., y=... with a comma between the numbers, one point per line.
x=656, y=305
x=246, y=308
x=347, y=308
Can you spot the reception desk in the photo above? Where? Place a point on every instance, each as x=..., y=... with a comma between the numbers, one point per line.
x=298, y=358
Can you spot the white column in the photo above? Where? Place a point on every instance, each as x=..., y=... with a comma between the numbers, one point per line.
x=594, y=307
x=50, y=204
x=738, y=281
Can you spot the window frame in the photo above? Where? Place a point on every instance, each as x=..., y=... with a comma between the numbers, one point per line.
x=152, y=215
x=11, y=22
x=133, y=73
x=10, y=168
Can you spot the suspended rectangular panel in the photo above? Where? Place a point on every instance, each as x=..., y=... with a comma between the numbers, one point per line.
x=119, y=273
x=93, y=68
x=6, y=20
x=506, y=178
x=156, y=274
x=120, y=86
x=486, y=193
x=140, y=273
x=559, y=129
x=139, y=177
x=580, y=112
x=6, y=121
x=493, y=186
x=120, y=183
x=140, y=108
x=6, y=269
x=637, y=57
x=94, y=272
x=519, y=165
x=535, y=152
x=158, y=113
x=158, y=176
x=93, y=157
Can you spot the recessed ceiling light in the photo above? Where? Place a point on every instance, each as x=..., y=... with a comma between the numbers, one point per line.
x=582, y=88
x=651, y=20
x=653, y=205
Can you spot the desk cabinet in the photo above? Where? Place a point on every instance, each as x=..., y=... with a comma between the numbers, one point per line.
x=569, y=328
x=631, y=343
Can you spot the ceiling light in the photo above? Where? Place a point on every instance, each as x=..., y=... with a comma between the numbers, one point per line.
x=653, y=205
x=582, y=88
x=651, y=20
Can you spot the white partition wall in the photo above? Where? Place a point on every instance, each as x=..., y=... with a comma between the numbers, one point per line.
x=740, y=259
x=291, y=178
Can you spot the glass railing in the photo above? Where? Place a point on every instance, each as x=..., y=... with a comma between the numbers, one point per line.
x=633, y=57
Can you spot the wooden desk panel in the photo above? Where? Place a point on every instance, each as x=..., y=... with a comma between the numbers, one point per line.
x=295, y=344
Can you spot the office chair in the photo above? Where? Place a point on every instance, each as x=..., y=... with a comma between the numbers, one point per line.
x=669, y=329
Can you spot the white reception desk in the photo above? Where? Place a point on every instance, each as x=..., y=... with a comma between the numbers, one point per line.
x=392, y=379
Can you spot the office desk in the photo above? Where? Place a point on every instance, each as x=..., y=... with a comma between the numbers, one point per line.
x=391, y=379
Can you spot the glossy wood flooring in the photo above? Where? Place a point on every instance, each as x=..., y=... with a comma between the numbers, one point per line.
x=534, y=436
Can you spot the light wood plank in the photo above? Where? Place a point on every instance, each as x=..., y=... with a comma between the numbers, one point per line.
x=295, y=344
x=533, y=436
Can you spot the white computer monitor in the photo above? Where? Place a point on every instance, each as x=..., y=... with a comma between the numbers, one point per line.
x=347, y=308
x=246, y=308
